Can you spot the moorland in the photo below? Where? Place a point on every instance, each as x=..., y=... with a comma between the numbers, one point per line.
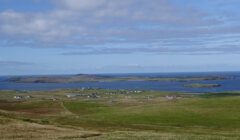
x=118, y=114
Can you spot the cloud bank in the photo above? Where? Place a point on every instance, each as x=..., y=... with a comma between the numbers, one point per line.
x=123, y=27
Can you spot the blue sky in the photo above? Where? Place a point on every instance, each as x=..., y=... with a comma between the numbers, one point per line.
x=127, y=36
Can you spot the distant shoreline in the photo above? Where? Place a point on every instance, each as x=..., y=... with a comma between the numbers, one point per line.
x=131, y=73
x=152, y=81
x=108, y=78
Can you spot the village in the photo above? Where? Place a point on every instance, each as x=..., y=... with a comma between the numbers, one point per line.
x=90, y=94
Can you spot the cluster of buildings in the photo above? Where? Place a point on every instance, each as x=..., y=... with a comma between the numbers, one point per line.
x=123, y=92
x=97, y=95
x=173, y=97
x=93, y=95
x=22, y=97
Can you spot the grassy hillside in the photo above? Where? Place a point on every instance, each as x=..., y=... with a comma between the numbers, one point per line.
x=145, y=115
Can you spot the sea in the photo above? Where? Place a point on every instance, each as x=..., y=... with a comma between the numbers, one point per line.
x=231, y=83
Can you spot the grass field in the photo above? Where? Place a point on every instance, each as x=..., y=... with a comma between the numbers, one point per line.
x=143, y=115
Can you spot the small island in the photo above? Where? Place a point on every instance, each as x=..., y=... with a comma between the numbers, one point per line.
x=202, y=85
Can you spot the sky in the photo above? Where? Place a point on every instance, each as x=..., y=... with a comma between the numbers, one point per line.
x=118, y=36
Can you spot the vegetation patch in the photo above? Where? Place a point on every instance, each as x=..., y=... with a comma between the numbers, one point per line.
x=187, y=117
x=221, y=94
x=202, y=85
x=36, y=107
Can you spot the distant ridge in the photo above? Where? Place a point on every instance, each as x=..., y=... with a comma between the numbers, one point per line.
x=106, y=78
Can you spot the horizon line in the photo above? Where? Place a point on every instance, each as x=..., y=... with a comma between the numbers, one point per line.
x=117, y=73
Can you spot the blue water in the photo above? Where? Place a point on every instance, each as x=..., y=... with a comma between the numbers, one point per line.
x=232, y=83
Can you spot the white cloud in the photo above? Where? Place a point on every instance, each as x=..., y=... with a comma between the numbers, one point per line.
x=96, y=22
x=80, y=4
